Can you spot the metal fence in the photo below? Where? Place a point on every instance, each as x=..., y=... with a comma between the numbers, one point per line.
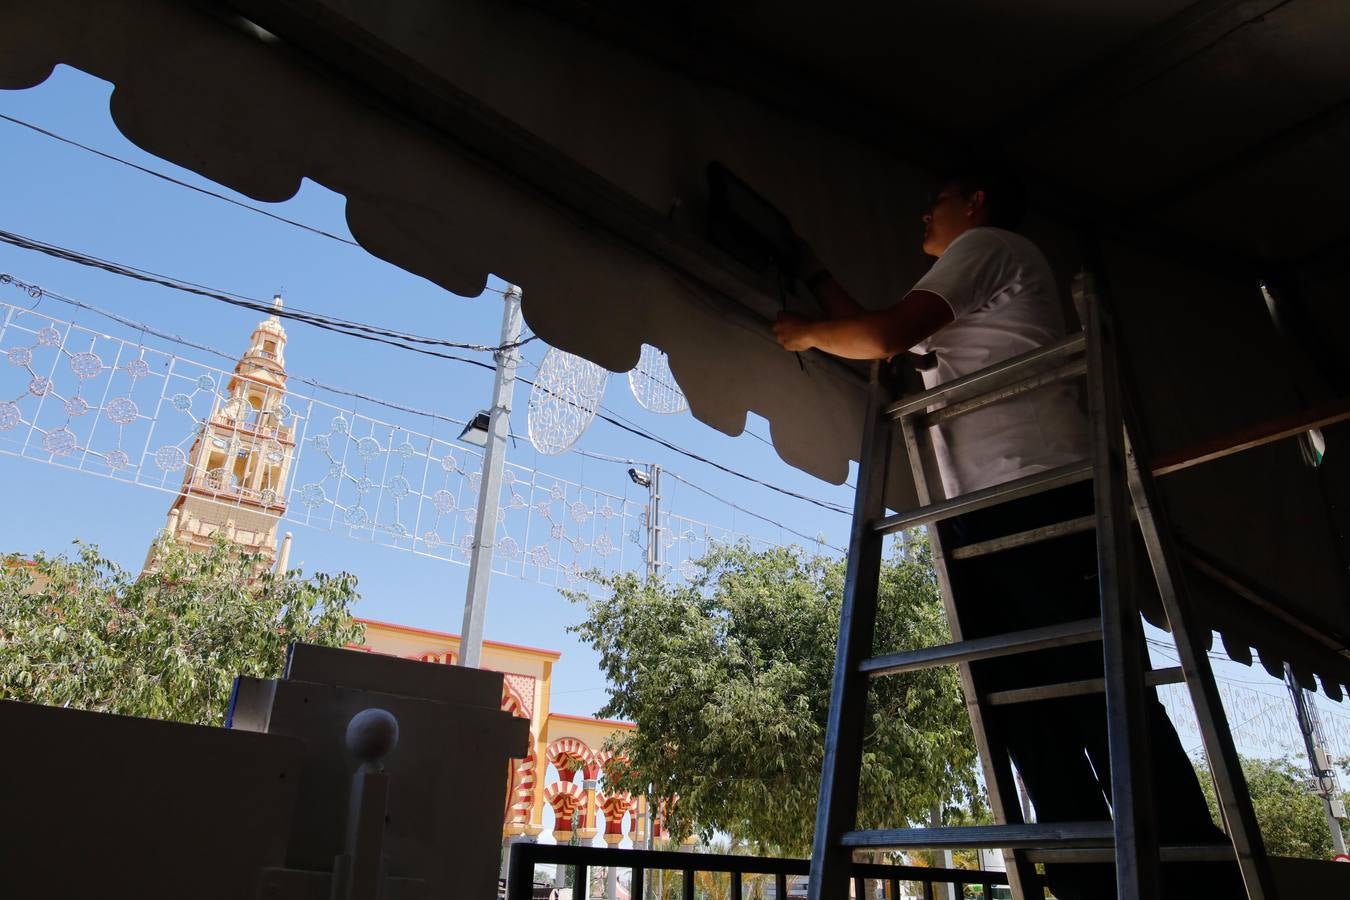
x=881, y=879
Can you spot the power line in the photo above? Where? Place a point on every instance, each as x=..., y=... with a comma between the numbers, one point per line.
x=818, y=539
x=702, y=490
x=112, y=157
x=349, y=327
x=171, y=180
x=632, y=429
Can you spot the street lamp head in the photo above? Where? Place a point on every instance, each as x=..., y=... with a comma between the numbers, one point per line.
x=476, y=432
x=641, y=479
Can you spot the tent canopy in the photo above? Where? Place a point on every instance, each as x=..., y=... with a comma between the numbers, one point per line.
x=1189, y=149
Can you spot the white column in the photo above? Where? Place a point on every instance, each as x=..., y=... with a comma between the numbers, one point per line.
x=284, y=554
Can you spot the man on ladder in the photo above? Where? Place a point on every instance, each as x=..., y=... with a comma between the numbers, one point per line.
x=991, y=296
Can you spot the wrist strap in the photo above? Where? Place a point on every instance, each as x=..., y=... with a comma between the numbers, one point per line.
x=816, y=279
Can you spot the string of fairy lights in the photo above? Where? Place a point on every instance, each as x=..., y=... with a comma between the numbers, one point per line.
x=81, y=399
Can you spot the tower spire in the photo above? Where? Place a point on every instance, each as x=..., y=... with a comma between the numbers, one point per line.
x=235, y=483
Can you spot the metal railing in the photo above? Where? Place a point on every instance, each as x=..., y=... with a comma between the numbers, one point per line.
x=525, y=857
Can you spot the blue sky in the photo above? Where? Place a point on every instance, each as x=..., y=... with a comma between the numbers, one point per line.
x=63, y=195
x=66, y=196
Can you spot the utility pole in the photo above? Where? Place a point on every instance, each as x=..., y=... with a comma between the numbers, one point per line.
x=490, y=486
x=1314, y=741
x=651, y=480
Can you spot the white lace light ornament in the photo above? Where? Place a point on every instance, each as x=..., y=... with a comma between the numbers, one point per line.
x=563, y=401
x=653, y=385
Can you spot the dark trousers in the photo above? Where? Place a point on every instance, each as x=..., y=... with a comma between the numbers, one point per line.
x=1059, y=746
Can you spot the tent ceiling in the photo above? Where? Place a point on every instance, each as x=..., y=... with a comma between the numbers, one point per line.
x=561, y=144
x=1198, y=118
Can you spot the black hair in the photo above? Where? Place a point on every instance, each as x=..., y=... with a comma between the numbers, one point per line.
x=1004, y=195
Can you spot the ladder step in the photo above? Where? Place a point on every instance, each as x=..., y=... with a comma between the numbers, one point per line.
x=988, y=379
x=990, y=496
x=1022, y=538
x=1059, y=635
x=1005, y=837
x=1007, y=392
x=1179, y=853
x=1170, y=675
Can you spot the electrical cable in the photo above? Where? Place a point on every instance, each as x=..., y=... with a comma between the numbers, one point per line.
x=702, y=490
x=818, y=539
x=361, y=330
x=112, y=157
x=169, y=178
x=823, y=504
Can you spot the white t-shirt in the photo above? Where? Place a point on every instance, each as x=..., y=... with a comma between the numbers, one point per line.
x=1004, y=302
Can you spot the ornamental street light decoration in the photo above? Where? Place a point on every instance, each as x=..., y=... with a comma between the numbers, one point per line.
x=563, y=401
x=653, y=385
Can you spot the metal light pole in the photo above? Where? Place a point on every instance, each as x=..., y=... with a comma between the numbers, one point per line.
x=653, y=520
x=490, y=487
x=651, y=480
x=1309, y=723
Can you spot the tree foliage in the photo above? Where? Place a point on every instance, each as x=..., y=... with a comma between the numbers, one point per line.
x=728, y=681
x=1293, y=820
x=167, y=644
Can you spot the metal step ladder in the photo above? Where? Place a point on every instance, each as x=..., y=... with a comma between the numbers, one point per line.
x=1123, y=490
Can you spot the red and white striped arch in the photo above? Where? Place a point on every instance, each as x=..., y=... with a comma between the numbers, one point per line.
x=524, y=777
x=570, y=754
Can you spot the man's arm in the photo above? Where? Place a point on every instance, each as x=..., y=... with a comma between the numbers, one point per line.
x=867, y=335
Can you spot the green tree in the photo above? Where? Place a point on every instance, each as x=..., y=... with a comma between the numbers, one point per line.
x=728, y=681
x=1292, y=818
x=166, y=644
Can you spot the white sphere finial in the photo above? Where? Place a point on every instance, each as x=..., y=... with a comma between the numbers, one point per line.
x=372, y=734
x=276, y=301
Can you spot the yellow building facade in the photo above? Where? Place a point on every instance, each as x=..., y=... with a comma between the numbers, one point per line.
x=564, y=771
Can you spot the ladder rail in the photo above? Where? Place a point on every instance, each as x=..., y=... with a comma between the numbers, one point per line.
x=1230, y=783
x=1133, y=813
x=837, y=806
x=995, y=762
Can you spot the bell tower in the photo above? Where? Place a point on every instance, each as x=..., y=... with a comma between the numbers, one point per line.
x=235, y=482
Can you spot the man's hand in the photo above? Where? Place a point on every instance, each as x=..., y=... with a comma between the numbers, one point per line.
x=793, y=332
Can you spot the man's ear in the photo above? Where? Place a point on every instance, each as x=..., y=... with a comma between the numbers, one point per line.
x=975, y=202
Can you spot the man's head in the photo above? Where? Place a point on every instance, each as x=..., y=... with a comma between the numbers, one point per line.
x=967, y=199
